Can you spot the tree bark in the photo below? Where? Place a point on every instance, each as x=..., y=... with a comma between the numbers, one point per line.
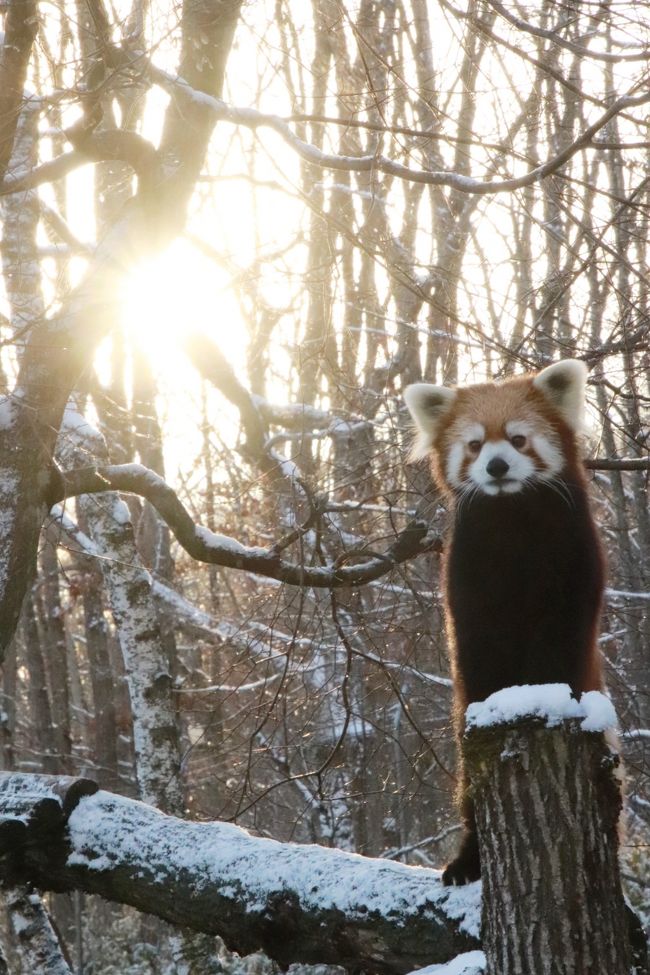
x=40, y=947
x=99, y=665
x=55, y=649
x=296, y=903
x=20, y=29
x=547, y=806
x=138, y=625
x=39, y=695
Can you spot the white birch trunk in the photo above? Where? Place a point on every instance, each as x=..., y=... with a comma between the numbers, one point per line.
x=129, y=588
x=39, y=946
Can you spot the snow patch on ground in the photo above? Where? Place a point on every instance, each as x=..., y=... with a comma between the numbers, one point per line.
x=469, y=963
x=553, y=703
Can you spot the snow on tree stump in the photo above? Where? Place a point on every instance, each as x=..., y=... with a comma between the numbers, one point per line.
x=548, y=797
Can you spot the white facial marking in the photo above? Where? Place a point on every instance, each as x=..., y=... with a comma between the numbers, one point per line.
x=521, y=469
x=474, y=431
x=518, y=428
x=454, y=463
x=549, y=453
x=470, y=432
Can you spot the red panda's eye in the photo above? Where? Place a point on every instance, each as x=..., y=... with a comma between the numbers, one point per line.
x=518, y=441
x=475, y=446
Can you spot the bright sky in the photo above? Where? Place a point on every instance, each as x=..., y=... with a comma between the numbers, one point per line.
x=183, y=289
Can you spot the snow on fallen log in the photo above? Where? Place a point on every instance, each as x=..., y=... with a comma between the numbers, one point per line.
x=19, y=788
x=34, y=809
x=295, y=902
x=469, y=963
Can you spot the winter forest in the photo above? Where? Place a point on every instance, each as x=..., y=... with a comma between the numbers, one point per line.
x=232, y=234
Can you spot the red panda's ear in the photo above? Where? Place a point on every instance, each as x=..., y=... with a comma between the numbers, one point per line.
x=563, y=385
x=427, y=405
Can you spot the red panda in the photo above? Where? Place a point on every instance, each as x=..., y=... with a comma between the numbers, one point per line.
x=523, y=569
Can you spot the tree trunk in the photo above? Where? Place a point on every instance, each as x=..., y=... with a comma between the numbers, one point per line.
x=40, y=948
x=39, y=698
x=155, y=727
x=99, y=666
x=547, y=806
x=51, y=364
x=55, y=649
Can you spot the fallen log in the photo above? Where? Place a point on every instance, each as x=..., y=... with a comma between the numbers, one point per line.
x=296, y=903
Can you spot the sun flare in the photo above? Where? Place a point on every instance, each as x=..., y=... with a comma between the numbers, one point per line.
x=177, y=293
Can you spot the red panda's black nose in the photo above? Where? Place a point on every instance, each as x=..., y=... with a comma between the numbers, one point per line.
x=497, y=467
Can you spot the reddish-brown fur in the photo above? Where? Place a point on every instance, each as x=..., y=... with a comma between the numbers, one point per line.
x=524, y=572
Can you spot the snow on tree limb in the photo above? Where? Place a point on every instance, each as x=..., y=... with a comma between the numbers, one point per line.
x=112, y=146
x=297, y=903
x=47, y=172
x=215, y=549
x=252, y=634
x=60, y=350
x=254, y=119
x=639, y=54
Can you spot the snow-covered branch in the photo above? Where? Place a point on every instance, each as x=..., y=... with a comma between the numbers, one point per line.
x=113, y=146
x=48, y=172
x=215, y=549
x=297, y=903
x=254, y=119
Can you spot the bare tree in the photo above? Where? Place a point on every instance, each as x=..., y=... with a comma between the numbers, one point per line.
x=229, y=602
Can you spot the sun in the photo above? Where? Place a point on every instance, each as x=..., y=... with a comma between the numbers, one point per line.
x=179, y=292
x=165, y=300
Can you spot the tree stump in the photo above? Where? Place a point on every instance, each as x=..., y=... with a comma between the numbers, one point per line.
x=548, y=801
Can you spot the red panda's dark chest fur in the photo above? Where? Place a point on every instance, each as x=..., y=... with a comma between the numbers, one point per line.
x=524, y=582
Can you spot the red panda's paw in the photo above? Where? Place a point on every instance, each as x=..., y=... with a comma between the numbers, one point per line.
x=458, y=873
x=466, y=867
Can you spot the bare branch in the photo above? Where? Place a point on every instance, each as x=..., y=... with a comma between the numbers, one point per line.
x=253, y=119
x=555, y=38
x=624, y=464
x=48, y=172
x=208, y=360
x=214, y=549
